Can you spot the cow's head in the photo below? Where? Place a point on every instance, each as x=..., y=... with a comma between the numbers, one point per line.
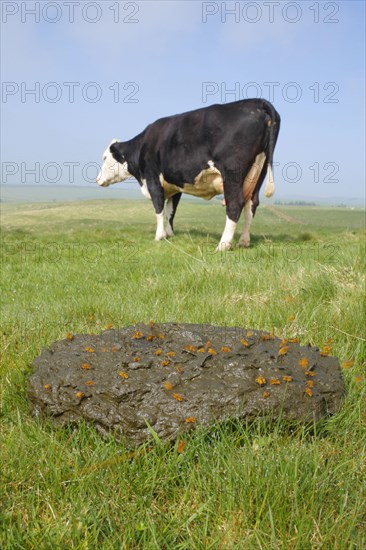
x=114, y=168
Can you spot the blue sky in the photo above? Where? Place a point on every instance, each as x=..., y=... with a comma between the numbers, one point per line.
x=172, y=56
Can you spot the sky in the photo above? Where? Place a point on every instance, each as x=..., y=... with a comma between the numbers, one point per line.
x=76, y=74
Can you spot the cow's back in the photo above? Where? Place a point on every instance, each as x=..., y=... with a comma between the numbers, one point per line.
x=180, y=146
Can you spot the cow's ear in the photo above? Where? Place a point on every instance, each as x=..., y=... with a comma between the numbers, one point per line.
x=117, y=152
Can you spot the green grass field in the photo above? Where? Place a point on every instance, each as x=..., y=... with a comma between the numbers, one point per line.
x=80, y=266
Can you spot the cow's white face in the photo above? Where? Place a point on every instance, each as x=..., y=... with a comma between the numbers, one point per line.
x=112, y=171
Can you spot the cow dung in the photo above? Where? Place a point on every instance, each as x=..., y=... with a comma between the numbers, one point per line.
x=170, y=378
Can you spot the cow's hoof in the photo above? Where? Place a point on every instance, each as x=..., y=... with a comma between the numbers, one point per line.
x=244, y=244
x=222, y=247
x=160, y=237
x=169, y=232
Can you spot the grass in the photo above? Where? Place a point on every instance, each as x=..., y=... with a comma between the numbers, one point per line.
x=80, y=266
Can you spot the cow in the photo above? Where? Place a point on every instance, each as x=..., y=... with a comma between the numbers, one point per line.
x=224, y=148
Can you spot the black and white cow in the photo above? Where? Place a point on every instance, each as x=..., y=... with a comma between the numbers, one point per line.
x=218, y=149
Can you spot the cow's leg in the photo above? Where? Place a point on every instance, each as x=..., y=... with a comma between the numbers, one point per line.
x=250, y=208
x=244, y=240
x=234, y=199
x=170, y=210
x=227, y=236
x=160, y=231
x=157, y=196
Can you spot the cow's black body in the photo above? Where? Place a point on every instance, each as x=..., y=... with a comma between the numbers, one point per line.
x=179, y=147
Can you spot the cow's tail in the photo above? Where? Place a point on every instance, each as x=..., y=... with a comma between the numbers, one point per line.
x=273, y=122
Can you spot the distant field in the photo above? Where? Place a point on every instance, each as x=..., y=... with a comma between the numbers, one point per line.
x=26, y=193
x=78, y=266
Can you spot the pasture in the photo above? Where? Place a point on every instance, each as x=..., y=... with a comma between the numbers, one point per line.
x=81, y=266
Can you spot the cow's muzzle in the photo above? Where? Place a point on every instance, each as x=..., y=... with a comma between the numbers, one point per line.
x=102, y=183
